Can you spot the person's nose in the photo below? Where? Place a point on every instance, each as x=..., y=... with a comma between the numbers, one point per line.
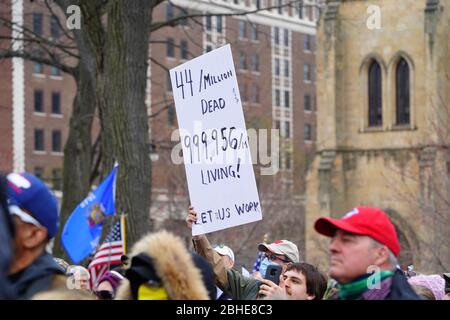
x=334, y=245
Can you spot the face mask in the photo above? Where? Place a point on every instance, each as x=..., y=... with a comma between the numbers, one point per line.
x=263, y=267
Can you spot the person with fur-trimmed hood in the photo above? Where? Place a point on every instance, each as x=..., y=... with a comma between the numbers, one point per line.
x=161, y=268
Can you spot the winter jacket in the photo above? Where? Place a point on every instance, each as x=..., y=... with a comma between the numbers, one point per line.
x=230, y=281
x=42, y=275
x=174, y=267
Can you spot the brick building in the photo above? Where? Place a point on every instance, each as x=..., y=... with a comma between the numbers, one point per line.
x=274, y=55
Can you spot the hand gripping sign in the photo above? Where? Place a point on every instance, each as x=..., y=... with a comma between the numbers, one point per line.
x=216, y=153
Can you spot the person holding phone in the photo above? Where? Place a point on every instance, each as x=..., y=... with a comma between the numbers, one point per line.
x=281, y=252
x=300, y=281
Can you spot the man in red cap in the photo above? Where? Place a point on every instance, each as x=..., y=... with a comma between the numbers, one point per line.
x=363, y=256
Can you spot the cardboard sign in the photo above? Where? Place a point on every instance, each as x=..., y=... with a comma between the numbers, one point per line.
x=216, y=153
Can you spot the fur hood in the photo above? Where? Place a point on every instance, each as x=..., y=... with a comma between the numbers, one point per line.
x=173, y=264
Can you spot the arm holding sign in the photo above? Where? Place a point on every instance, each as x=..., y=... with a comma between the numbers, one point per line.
x=230, y=281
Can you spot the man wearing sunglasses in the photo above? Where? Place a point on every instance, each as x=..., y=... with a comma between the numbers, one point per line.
x=35, y=215
x=281, y=252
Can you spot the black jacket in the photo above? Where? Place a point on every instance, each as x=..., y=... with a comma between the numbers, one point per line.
x=37, y=277
x=6, y=234
x=400, y=288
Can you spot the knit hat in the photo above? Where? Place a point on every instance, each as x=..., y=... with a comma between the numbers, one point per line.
x=433, y=282
x=113, y=277
x=30, y=194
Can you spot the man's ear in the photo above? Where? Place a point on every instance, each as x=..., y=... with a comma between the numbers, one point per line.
x=382, y=256
x=34, y=236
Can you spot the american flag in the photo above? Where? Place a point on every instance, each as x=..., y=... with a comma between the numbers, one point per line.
x=257, y=262
x=109, y=253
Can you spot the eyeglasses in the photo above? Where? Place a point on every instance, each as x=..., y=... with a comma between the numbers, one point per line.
x=273, y=258
x=23, y=216
x=104, y=295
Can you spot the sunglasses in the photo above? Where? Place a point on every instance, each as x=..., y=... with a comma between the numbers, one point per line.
x=273, y=258
x=23, y=216
x=104, y=295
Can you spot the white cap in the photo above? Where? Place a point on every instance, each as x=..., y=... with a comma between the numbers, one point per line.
x=224, y=250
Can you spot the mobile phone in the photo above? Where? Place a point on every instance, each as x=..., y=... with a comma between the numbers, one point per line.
x=273, y=273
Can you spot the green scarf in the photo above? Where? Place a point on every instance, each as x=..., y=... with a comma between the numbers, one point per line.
x=353, y=290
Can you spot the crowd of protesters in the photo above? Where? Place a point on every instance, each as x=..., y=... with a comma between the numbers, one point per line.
x=363, y=264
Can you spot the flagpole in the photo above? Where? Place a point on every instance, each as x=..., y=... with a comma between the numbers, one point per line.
x=124, y=233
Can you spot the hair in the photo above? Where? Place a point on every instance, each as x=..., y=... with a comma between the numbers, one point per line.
x=316, y=281
x=73, y=269
x=392, y=258
x=423, y=291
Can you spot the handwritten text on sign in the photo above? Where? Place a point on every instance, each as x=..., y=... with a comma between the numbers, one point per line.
x=216, y=153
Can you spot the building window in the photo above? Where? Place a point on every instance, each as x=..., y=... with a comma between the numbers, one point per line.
x=170, y=48
x=255, y=62
x=56, y=140
x=169, y=12
x=277, y=97
x=39, y=140
x=286, y=68
x=171, y=115
x=208, y=23
x=375, y=104
x=307, y=42
x=276, y=35
x=184, y=49
x=208, y=48
x=54, y=71
x=168, y=83
x=277, y=66
x=258, y=4
x=300, y=10
x=39, y=172
x=286, y=37
x=254, y=35
x=306, y=72
x=243, y=92
x=277, y=124
x=242, y=29
x=307, y=132
x=307, y=102
x=280, y=8
x=286, y=99
x=38, y=101
x=56, y=103
x=219, y=24
x=54, y=27
x=287, y=157
x=402, y=95
x=37, y=23
x=255, y=93
x=38, y=68
x=242, y=61
x=287, y=128
x=57, y=179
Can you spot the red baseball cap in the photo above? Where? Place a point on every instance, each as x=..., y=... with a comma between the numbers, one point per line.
x=366, y=221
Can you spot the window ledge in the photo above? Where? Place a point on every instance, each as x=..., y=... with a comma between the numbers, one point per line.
x=372, y=129
x=56, y=115
x=403, y=127
x=39, y=75
x=39, y=152
x=39, y=114
x=53, y=77
x=57, y=153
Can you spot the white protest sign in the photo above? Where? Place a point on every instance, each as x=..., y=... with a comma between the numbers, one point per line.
x=219, y=170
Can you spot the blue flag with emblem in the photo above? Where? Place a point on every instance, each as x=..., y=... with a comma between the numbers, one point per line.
x=83, y=229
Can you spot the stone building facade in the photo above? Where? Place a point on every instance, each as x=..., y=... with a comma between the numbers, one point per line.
x=383, y=98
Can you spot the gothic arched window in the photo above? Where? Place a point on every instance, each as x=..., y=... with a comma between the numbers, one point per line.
x=402, y=100
x=375, y=95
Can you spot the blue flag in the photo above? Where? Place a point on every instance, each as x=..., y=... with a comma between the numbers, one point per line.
x=83, y=229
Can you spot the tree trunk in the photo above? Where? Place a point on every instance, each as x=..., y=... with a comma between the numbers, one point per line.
x=121, y=93
x=77, y=152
